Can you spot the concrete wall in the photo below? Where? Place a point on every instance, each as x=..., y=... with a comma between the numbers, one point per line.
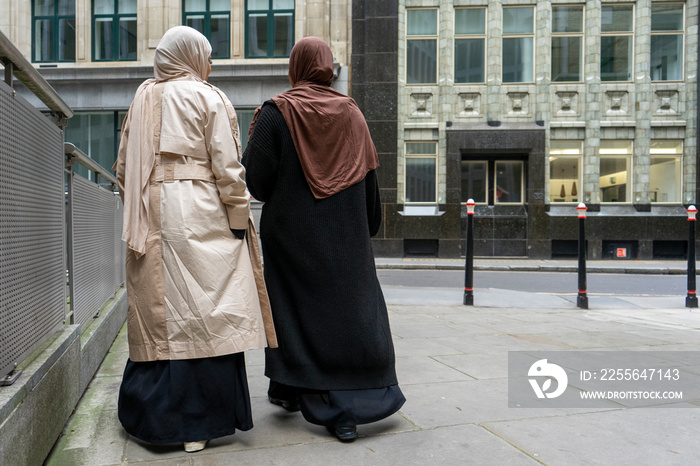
x=34, y=410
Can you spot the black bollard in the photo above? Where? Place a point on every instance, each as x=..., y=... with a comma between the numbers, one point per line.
x=692, y=299
x=582, y=298
x=469, y=266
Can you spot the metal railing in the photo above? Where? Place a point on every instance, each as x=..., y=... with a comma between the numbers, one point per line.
x=96, y=254
x=15, y=64
x=51, y=220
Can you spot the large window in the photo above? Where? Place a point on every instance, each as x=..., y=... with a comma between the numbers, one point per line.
x=113, y=30
x=421, y=46
x=421, y=172
x=615, y=171
x=212, y=18
x=508, y=182
x=475, y=181
x=518, y=39
x=667, y=41
x=53, y=30
x=97, y=134
x=491, y=181
x=269, y=28
x=470, y=45
x=565, y=171
x=665, y=171
x=616, y=42
x=567, y=43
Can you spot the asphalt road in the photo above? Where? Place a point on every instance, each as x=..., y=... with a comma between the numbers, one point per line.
x=541, y=282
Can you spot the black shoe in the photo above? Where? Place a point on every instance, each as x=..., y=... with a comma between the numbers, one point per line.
x=345, y=434
x=291, y=406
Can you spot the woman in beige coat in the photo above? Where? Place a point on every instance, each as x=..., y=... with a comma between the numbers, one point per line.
x=194, y=285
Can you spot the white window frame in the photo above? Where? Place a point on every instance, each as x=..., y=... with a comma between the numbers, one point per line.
x=617, y=154
x=435, y=37
x=572, y=34
x=661, y=153
x=672, y=33
x=522, y=181
x=505, y=35
x=407, y=157
x=620, y=34
x=467, y=37
x=486, y=180
x=574, y=155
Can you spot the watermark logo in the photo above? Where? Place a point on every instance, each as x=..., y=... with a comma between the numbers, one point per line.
x=542, y=368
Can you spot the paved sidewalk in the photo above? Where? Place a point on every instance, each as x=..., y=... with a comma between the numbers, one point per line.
x=452, y=367
x=659, y=267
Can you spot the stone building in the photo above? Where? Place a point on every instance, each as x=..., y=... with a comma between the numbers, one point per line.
x=528, y=107
x=95, y=53
x=531, y=107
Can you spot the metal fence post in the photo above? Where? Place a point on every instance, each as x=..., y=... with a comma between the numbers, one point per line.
x=692, y=299
x=582, y=298
x=469, y=266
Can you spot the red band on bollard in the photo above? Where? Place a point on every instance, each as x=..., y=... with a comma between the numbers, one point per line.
x=468, y=289
x=582, y=291
x=691, y=292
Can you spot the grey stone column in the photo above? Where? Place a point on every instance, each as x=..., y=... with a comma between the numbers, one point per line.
x=642, y=111
x=494, y=62
x=592, y=106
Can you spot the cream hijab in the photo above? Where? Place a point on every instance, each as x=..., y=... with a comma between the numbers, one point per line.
x=183, y=52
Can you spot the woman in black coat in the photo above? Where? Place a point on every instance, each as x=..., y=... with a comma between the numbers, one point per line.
x=310, y=158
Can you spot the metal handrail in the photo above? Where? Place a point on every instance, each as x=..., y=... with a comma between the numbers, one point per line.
x=76, y=155
x=16, y=64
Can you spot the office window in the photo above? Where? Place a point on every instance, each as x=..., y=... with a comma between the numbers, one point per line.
x=421, y=172
x=565, y=171
x=665, y=171
x=667, y=41
x=518, y=39
x=97, y=134
x=245, y=117
x=475, y=181
x=567, y=43
x=114, y=30
x=616, y=42
x=53, y=30
x=509, y=182
x=421, y=46
x=615, y=171
x=269, y=28
x=213, y=19
x=470, y=45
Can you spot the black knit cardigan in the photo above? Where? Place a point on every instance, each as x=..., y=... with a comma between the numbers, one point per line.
x=327, y=305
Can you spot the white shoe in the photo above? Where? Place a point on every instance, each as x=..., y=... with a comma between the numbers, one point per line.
x=191, y=447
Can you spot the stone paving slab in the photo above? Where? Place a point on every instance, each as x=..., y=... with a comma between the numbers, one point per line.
x=456, y=445
x=644, y=436
x=452, y=364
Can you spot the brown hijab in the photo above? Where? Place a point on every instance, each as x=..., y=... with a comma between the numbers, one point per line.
x=329, y=131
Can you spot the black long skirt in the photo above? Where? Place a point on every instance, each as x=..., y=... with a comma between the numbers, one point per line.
x=188, y=400
x=341, y=408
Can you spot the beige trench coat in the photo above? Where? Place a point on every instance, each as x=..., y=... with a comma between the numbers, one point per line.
x=195, y=293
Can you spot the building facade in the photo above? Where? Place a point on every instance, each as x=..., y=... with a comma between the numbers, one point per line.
x=95, y=53
x=529, y=108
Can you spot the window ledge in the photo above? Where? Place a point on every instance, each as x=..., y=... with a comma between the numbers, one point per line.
x=655, y=123
x=421, y=211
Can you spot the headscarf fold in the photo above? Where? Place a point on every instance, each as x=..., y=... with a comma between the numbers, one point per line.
x=183, y=52
x=328, y=129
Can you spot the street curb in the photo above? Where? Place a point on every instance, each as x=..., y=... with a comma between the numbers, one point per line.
x=536, y=268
